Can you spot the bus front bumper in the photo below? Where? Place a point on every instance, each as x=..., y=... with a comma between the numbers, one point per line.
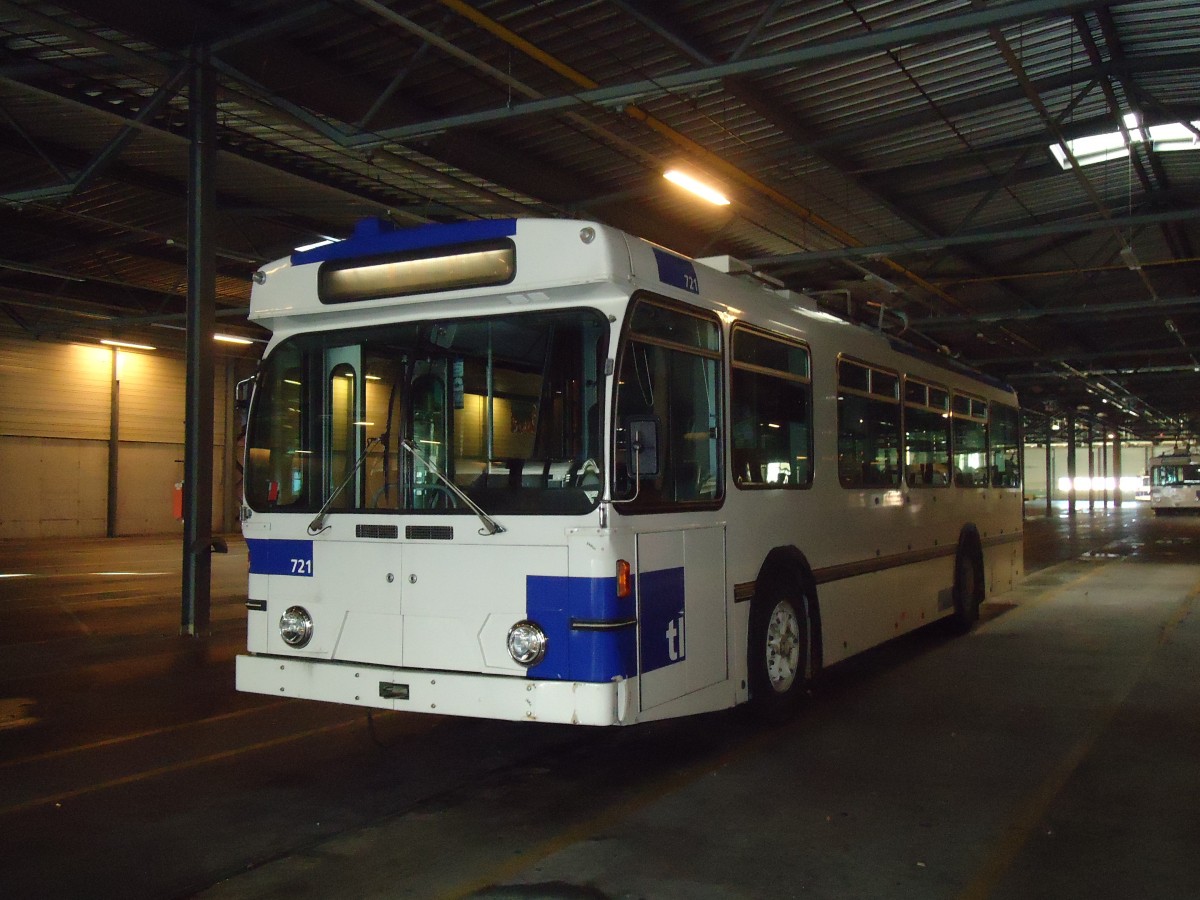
x=442, y=693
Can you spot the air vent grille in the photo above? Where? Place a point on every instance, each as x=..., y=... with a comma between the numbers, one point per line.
x=376, y=531
x=429, y=532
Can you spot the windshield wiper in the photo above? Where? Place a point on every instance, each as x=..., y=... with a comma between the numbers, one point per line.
x=318, y=523
x=490, y=525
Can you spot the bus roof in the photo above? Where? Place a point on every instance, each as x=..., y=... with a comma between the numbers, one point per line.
x=570, y=254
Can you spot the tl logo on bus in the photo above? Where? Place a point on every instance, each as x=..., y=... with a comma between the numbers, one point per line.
x=675, y=639
x=663, y=633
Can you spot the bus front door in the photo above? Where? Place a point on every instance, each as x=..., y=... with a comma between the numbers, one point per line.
x=681, y=612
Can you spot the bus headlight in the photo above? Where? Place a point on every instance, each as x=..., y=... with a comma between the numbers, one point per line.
x=526, y=643
x=296, y=626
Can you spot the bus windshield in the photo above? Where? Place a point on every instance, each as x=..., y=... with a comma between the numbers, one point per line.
x=506, y=407
x=1165, y=475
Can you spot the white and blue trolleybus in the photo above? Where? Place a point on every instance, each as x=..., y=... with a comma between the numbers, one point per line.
x=542, y=470
x=1175, y=482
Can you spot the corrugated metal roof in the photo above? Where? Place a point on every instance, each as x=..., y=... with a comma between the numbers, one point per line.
x=920, y=154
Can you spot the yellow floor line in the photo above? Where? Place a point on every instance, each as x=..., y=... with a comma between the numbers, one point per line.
x=57, y=799
x=125, y=738
x=608, y=817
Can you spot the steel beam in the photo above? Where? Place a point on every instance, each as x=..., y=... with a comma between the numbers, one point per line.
x=921, y=245
x=617, y=95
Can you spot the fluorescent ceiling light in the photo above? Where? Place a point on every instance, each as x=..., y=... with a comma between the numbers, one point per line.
x=699, y=188
x=231, y=339
x=126, y=345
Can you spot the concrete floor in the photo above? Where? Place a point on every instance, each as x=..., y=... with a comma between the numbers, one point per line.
x=1053, y=752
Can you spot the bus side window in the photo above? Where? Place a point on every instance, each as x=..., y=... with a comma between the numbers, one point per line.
x=1006, y=446
x=770, y=432
x=868, y=426
x=969, y=415
x=926, y=434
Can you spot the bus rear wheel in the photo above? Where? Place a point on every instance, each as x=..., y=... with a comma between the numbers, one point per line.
x=780, y=654
x=968, y=588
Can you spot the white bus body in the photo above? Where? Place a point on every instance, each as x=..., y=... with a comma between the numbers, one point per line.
x=1175, y=482
x=667, y=489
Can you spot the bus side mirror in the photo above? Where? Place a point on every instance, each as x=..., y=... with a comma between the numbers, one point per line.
x=643, y=444
x=242, y=392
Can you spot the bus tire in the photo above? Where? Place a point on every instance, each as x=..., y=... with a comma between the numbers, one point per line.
x=779, y=652
x=968, y=583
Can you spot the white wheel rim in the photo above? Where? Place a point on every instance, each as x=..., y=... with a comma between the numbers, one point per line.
x=783, y=646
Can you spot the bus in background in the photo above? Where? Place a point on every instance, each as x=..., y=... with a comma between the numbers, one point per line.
x=543, y=470
x=1142, y=495
x=1175, y=482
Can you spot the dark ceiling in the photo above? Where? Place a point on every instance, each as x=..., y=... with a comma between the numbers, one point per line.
x=891, y=157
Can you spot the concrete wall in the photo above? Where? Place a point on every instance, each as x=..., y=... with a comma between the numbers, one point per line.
x=1135, y=458
x=55, y=428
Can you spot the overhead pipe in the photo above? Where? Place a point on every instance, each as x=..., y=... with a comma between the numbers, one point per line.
x=921, y=245
x=1121, y=310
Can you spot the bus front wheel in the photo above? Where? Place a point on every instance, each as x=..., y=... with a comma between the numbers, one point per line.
x=780, y=653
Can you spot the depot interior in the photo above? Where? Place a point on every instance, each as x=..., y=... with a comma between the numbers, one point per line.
x=1016, y=187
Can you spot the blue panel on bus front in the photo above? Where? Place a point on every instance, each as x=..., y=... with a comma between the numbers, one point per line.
x=662, y=618
x=280, y=557
x=573, y=654
x=375, y=237
x=677, y=271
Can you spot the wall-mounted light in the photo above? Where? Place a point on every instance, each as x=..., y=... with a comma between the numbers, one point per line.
x=126, y=345
x=699, y=188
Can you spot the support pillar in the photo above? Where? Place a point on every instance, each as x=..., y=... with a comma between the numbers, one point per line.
x=1117, y=470
x=1049, y=465
x=1071, y=464
x=201, y=314
x=1091, y=471
x=1104, y=464
x=114, y=446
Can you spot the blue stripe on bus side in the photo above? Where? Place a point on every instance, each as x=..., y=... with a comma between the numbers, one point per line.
x=372, y=238
x=664, y=641
x=593, y=655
